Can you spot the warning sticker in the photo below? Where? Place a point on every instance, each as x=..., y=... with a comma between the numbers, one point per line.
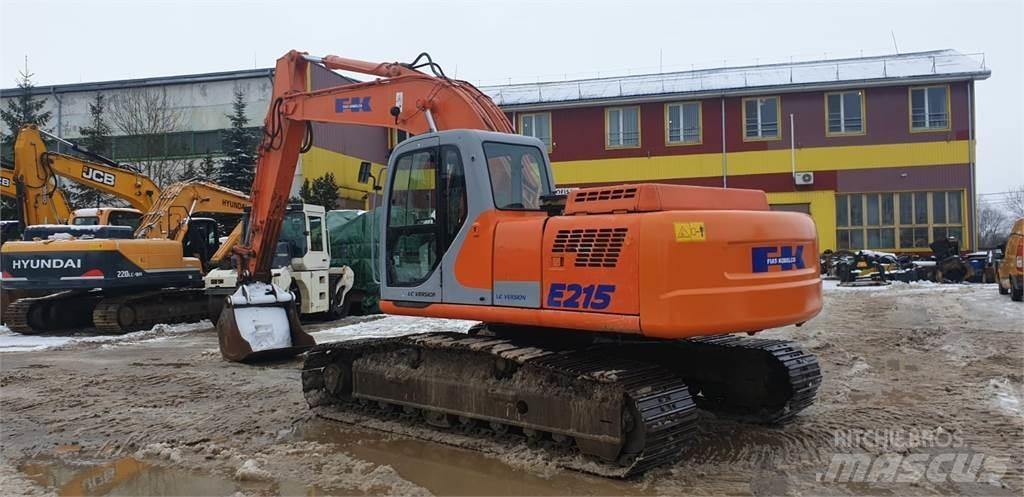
x=690, y=232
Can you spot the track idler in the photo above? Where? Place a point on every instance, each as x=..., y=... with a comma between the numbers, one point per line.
x=259, y=322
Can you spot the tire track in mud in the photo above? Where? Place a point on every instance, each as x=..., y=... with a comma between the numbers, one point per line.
x=901, y=358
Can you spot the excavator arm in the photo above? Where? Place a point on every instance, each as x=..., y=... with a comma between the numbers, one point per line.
x=402, y=98
x=255, y=319
x=178, y=203
x=39, y=196
x=100, y=173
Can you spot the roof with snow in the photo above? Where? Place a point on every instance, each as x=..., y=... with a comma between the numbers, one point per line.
x=143, y=82
x=919, y=67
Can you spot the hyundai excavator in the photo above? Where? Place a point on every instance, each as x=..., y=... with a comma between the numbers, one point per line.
x=608, y=316
x=115, y=278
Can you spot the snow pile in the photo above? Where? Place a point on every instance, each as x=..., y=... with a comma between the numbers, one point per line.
x=260, y=293
x=391, y=326
x=160, y=451
x=16, y=342
x=250, y=470
x=1004, y=396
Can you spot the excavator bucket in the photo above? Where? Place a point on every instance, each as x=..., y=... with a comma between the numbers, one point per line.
x=259, y=323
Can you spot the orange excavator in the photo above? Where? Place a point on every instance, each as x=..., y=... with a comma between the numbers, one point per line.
x=607, y=316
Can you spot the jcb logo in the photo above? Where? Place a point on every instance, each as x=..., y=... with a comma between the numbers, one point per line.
x=101, y=177
x=5, y=182
x=354, y=104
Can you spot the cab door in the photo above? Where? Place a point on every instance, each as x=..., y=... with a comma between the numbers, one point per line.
x=413, y=233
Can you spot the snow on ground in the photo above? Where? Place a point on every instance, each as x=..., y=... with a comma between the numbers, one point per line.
x=391, y=326
x=1003, y=396
x=16, y=342
x=923, y=285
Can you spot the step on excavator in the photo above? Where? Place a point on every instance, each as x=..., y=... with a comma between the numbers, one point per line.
x=115, y=278
x=608, y=316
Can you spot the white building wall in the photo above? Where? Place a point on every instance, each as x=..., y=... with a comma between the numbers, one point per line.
x=204, y=106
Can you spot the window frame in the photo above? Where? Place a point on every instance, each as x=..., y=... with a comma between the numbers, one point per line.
x=778, y=119
x=436, y=226
x=607, y=127
x=393, y=140
x=551, y=128
x=700, y=124
x=910, y=109
x=863, y=114
x=897, y=224
x=490, y=179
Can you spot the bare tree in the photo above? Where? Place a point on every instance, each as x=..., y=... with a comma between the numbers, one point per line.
x=148, y=115
x=993, y=225
x=1015, y=202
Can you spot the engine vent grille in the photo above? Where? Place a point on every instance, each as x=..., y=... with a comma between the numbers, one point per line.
x=593, y=247
x=606, y=194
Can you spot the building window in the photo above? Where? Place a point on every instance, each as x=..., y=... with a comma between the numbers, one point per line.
x=683, y=124
x=396, y=136
x=538, y=126
x=761, y=116
x=897, y=221
x=929, y=108
x=176, y=145
x=622, y=127
x=845, y=113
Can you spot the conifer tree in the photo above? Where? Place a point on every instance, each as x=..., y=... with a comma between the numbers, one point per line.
x=237, y=170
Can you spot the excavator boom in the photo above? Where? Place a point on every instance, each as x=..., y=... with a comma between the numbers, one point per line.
x=404, y=99
x=169, y=216
x=39, y=196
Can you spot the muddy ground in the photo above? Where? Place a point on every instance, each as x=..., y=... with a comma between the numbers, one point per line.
x=922, y=395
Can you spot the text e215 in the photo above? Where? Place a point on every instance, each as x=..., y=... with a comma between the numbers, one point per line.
x=576, y=296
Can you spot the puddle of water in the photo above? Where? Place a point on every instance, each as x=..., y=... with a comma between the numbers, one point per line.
x=446, y=470
x=129, y=477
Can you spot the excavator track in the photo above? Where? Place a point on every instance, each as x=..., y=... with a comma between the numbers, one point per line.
x=121, y=314
x=56, y=312
x=626, y=413
x=757, y=380
x=566, y=390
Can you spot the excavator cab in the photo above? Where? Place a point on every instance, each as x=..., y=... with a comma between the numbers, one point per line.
x=444, y=193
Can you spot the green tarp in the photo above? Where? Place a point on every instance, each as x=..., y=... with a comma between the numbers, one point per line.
x=351, y=238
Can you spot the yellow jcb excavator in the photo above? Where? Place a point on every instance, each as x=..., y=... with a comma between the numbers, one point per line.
x=34, y=183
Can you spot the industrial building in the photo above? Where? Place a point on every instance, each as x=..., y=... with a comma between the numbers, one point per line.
x=878, y=150
x=183, y=118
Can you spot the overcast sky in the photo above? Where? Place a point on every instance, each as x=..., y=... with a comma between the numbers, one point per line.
x=490, y=42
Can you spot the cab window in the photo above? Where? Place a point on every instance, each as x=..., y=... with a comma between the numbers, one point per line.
x=293, y=231
x=86, y=221
x=316, y=233
x=131, y=219
x=412, y=238
x=455, y=192
x=518, y=177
